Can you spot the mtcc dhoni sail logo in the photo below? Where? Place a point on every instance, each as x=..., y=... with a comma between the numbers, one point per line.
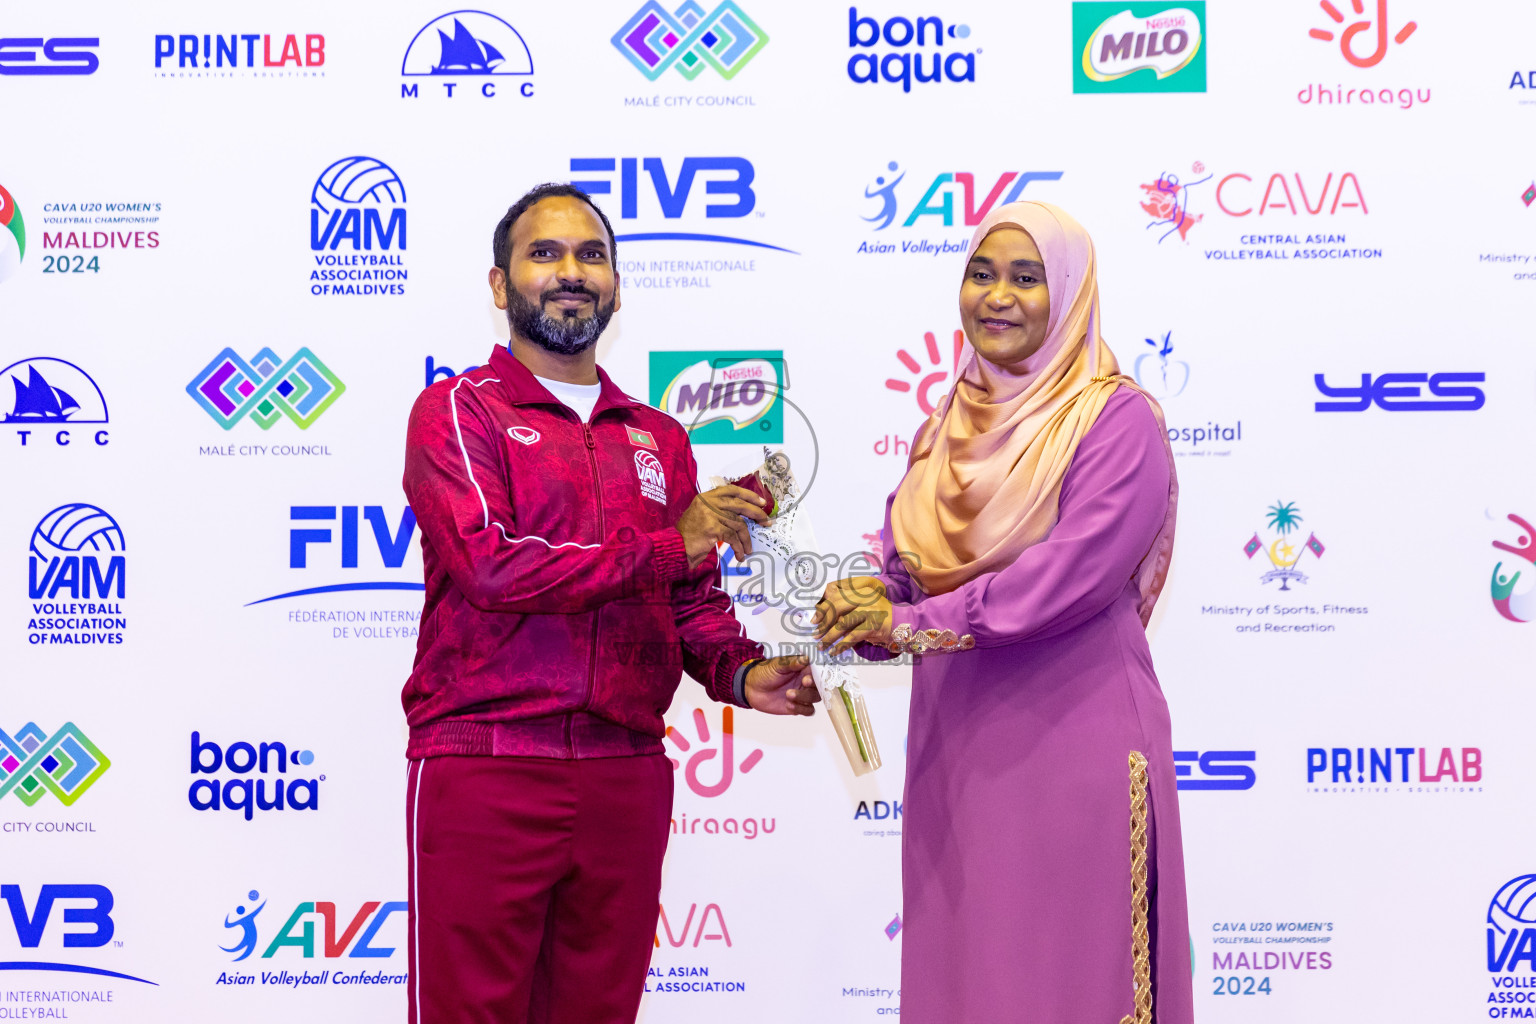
x=266, y=389
x=468, y=49
x=34, y=764
x=49, y=396
x=656, y=41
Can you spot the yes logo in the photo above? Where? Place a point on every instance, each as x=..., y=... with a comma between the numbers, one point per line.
x=1112, y=42
x=725, y=752
x=1399, y=392
x=1214, y=769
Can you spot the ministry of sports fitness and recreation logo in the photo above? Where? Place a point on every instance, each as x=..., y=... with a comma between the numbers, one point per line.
x=13, y=240
x=1363, y=44
x=1113, y=43
x=1512, y=599
x=266, y=389
x=77, y=578
x=938, y=206
x=357, y=229
x=34, y=764
x=1283, y=523
x=690, y=41
x=465, y=52
x=48, y=397
x=722, y=397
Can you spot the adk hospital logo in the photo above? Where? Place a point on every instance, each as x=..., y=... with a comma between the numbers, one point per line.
x=357, y=229
x=373, y=933
x=77, y=578
x=466, y=54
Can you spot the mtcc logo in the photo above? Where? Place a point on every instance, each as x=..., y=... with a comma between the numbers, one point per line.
x=725, y=752
x=1114, y=41
x=13, y=240
x=689, y=41
x=1284, y=519
x=34, y=764
x=354, y=939
x=1378, y=37
x=1514, y=602
x=466, y=48
x=52, y=393
x=267, y=388
x=357, y=205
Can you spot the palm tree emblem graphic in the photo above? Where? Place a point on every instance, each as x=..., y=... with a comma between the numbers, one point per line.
x=1284, y=520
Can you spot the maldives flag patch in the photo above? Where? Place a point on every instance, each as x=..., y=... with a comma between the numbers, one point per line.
x=641, y=439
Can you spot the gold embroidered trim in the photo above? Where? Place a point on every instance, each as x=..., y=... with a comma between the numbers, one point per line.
x=1141, y=971
x=906, y=640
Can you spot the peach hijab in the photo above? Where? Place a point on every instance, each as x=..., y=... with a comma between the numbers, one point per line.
x=984, y=480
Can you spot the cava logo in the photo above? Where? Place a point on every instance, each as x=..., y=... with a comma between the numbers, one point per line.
x=34, y=764
x=270, y=789
x=13, y=240
x=77, y=578
x=722, y=397
x=468, y=50
x=1283, y=551
x=689, y=41
x=1511, y=599
x=48, y=396
x=357, y=229
x=1115, y=41
x=266, y=389
x=705, y=926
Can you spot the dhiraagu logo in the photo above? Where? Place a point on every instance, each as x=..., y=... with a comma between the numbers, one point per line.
x=1114, y=43
x=722, y=397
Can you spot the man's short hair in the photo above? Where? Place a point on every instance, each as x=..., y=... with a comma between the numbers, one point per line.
x=501, y=244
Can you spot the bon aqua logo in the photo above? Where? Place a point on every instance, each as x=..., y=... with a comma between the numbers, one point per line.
x=1511, y=599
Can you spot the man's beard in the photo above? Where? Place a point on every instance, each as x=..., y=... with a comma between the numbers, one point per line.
x=564, y=335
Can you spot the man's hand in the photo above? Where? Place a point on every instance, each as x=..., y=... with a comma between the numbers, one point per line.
x=782, y=686
x=715, y=517
x=853, y=611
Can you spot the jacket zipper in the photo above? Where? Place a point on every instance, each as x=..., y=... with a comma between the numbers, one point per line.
x=602, y=534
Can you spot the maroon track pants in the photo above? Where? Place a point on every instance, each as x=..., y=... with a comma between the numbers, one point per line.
x=534, y=887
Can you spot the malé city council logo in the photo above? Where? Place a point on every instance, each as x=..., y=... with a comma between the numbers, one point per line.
x=1284, y=555
x=1114, y=42
x=1515, y=602
x=13, y=240
x=656, y=41
x=34, y=764
x=266, y=389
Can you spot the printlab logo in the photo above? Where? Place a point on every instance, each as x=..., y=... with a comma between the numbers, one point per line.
x=49, y=396
x=1214, y=769
x=1510, y=599
x=1284, y=520
x=1511, y=938
x=722, y=397
x=266, y=389
x=355, y=939
x=1400, y=392
x=34, y=764
x=928, y=383
x=468, y=49
x=1112, y=42
x=356, y=248
x=938, y=201
x=1379, y=766
x=393, y=544
x=31, y=925
x=656, y=41
x=272, y=789
x=59, y=55
x=13, y=240
x=899, y=44
x=249, y=55
x=725, y=753
x=77, y=552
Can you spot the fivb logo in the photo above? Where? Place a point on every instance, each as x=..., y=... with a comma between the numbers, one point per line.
x=722, y=397
x=34, y=764
x=273, y=790
x=938, y=199
x=355, y=940
x=357, y=204
x=690, y=41
x=266, y=389
x=392, y=543
x=672, y=195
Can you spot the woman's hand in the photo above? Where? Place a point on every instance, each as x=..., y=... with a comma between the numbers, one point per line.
x=853, y=611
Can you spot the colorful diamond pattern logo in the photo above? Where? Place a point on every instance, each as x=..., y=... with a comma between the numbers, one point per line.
x=689, y=41
x=33, y=764
x=266, y=388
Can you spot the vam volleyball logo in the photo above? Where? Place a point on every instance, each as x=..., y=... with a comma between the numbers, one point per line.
x=1113, y=42
x=78, y=578
x=357, y=229
x=1511, y=939
x=13, y=240
x=1512, y=598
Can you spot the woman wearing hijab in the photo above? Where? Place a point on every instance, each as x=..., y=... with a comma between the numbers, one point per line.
x=1025, y=547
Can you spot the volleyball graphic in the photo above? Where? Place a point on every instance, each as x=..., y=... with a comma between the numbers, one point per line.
x=1514, y=904
x=73, y=528
x=13, y=240
x=357, y=179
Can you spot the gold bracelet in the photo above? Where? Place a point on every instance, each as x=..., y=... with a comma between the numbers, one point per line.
x=906, y=640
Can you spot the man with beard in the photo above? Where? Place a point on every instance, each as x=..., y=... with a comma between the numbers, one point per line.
x=570, y=580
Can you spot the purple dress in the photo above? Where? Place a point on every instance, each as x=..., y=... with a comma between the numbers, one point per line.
x=1017, y=859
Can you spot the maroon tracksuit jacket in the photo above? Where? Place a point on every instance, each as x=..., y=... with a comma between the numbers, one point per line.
x=560, y=611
